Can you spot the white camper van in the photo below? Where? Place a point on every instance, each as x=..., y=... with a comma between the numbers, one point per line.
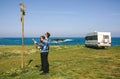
x=98, y=39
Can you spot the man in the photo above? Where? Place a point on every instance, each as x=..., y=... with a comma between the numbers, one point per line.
x=44, y=54
x=44, y=48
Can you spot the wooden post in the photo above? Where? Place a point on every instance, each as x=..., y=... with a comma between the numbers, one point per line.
x=22, y=64
x=22, y=9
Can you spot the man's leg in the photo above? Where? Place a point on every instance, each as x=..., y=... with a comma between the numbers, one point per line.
x=45, y=63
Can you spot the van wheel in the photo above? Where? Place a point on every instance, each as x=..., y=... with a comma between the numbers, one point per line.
x=103, y=47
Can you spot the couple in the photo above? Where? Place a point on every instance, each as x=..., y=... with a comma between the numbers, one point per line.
x=44, y=48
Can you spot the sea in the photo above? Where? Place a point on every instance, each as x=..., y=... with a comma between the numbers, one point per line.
x=53, y=41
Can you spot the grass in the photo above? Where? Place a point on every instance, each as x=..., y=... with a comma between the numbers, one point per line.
x=66, y=62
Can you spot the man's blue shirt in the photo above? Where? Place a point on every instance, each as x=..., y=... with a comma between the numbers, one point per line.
x=44, y=47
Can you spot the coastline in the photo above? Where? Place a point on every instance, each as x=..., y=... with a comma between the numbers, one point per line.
x=54, y=41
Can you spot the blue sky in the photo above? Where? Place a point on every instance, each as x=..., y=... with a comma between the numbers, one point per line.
x=67, y=18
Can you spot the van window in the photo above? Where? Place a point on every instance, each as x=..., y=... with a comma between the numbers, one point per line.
x=91, y=37
x=105, y=37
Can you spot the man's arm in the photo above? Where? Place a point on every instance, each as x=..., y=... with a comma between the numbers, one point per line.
x=46, y=44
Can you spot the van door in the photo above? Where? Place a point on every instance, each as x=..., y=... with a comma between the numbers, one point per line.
x=105, y=39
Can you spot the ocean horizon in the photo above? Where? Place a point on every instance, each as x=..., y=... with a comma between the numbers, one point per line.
x=115, y=41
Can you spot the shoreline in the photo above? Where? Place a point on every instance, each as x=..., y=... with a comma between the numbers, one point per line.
x=53, y=41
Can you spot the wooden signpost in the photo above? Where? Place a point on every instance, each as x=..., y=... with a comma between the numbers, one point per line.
x=22, y=11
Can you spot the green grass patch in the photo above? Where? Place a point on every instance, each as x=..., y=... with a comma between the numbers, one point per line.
x=66, y=62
